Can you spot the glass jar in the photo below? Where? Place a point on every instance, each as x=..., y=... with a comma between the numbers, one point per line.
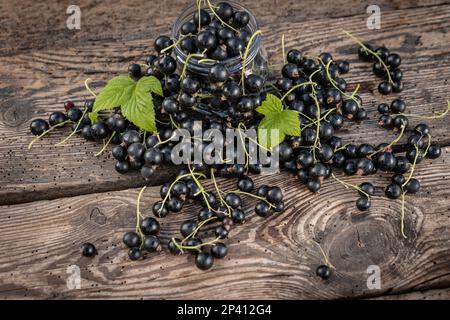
x=256, y=62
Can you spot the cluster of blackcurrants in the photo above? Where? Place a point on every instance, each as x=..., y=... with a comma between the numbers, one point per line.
x=221, y=35
x=146, y=238
x=390, y=64
x=224, y=211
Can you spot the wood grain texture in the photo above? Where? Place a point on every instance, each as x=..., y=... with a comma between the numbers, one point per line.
x=268, y=259
x=39, y=81
x=439, y=294
x=45, y=23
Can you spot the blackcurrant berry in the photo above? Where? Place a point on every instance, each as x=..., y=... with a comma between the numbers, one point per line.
x=173, y=247
x=206, y=40
x=343, y=66
x=413, y=186
x=422, y=129
x=162, y=42
x=74, y=114
x=313, y=184
x=368, y=188
x=56, y=118
x=218, y=73
x=221, y=232
x=201, y=18
x=363, y=203
x=434, y=151
x=188, y=27
x=131, y=239
x=151, y=244
x=134, y=70
x=240, y=19
x=153, y=156
x=262, y=190
x=394, y=60
x=233, y=200
x=384, y=108
x=386, y=121
x=167, y=65
x=88, y=250
x=245, y=184
x=385, y=87
x=188, y=227
x=119, y=153
x=235, y=46
x=274, y=195
x=323, y=271
x=402, y=165
x=386, y=161
x=364, y=150
x=238, y=216
x=400, y=121
x=398, y=179
x=393, y=191
x=136, y=150
x=38, y=127
x=134, y=253
x=262, y=209
x=204, y=260
x=174, y=205
x=149, y=226
x=398, y=106
x=122, y=166
x=130, y=136
x=219, y=250
x=160, y=210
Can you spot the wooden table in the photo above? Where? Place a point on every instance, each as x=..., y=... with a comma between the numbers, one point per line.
x=52, y=199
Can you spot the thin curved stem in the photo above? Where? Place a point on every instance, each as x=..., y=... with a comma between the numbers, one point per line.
x=106, y=144
x=86, y=84
x=47, y=131
x=244, y=60
x=386, y=68
x=393, y=142
x=349, y=185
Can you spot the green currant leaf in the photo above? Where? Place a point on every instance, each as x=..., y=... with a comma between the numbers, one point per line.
x=139, y=109
x=277, y=123
x=270, y=104
x=117, y=92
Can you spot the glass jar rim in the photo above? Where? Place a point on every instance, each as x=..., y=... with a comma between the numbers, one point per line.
x=193, y=61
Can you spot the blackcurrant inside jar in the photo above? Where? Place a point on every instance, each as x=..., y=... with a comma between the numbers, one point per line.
x=255, y=62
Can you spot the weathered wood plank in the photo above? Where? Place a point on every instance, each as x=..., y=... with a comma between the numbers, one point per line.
x=268, y=258
x=439, y=294
x=37, y=82
x=45, y=23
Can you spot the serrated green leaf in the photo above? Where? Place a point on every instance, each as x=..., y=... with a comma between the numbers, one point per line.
x=140, y=109
x=117, y=92
x=277, y=123
x=150, y=84
x=271, y=104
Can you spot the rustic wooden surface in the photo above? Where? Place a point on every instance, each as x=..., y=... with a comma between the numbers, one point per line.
x=52, y=199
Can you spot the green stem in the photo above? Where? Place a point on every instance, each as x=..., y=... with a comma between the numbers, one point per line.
x=218, y=18
x=86, y=84
x=47, y=131
x=74, y=131
x=213, y=178
x=298, y=86
x=138, y=214
x=397, y=139
x=355, y=39
x=244, y=61
x=349, y=185
x=106, y=144
x=439, y=115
